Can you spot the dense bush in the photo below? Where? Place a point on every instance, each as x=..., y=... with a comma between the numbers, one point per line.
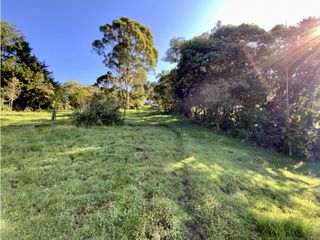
x=100, y=111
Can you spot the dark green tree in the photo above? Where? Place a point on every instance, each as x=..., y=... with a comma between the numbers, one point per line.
x=257, y=85
x=36, y=81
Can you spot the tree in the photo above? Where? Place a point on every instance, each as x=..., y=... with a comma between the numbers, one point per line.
x=39, y=91
x=256, y=85
x=110, y=85
x=17, y=60
x=127, y=47
x=11, y=91
x=149, y=91
x=78, y=95
x=291, y=65
x=210, y=71
x=58, y=101
x=138, y=94
x=164, y=92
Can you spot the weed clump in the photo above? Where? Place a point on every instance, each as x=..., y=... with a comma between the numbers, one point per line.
x=100, y=111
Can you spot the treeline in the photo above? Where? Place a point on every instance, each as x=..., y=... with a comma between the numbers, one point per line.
x=27, y=83
x=257, y=85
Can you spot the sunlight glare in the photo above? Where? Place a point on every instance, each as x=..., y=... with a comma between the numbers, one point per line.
x=253, y=11
x=317, y=31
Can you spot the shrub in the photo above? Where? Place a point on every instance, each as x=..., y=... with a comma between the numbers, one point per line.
x=100, y=111
x=4, y=105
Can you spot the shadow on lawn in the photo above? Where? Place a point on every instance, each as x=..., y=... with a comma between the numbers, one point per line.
x=45, y=122
x=217, y=207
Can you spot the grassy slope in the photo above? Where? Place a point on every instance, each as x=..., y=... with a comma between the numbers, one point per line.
x=157, y=177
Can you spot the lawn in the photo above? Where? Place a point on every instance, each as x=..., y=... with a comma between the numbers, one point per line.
x=156, y=177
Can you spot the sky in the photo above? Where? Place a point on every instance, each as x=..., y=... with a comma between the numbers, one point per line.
x=61, y=31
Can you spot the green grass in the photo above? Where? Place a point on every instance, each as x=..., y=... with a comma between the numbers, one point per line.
x=156, y=177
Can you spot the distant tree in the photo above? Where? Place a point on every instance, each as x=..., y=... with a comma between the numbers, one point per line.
x=165, y=91
x=58, y=101
x=39, y=91
x=77, y=94
x=127, y=47
x=110, y=85
x=138, y=94
x=11, y=91
x=149, y=91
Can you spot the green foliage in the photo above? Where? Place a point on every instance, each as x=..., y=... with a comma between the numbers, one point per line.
x=127, y=48
x=256, y=85
x=173, y=54
x=99, y=111
x=11, y=91
x=137, y=96
x=149, y=91
x=17, y=61
x=164, y=92
x=156, y=177
x=4, y=105
x=78, y=95
x=305, y=126
x=138, y=92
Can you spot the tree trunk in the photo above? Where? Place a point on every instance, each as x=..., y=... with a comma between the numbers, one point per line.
x=10, y=104
x=127, y=103
x=54, y=114
x=185, y=111
x=288, y=113
x=216, y=119
x=127, y=100
x=218, y=125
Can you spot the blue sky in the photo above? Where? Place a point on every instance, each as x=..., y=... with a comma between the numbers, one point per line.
x=61, y=31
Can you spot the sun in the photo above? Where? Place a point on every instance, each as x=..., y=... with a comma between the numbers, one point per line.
x=317, y=31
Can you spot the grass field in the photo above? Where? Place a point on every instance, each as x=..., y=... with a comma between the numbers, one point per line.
x=156, y=177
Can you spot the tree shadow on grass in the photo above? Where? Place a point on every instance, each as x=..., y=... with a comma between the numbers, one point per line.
x=224, y=203
x=35, y=123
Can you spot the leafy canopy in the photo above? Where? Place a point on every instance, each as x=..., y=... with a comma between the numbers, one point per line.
x=127, y=48
x=126, y=44
x=17, y=61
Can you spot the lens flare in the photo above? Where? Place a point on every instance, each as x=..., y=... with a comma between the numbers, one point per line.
x=317, y=31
